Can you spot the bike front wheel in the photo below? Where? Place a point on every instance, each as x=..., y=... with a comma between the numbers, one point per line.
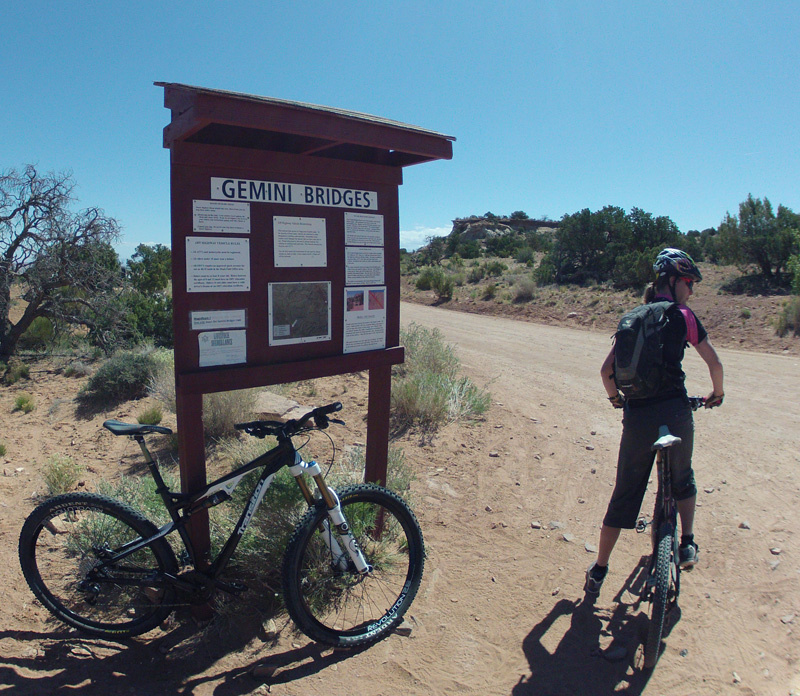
x=64, y=543
x=659, y=598
x=327, y=597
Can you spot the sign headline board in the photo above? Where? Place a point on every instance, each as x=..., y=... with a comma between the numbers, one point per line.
x=297, y=194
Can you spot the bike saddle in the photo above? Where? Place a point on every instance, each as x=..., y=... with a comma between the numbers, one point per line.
x=120, y=428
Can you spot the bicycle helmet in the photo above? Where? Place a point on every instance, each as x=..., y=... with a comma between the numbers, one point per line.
x=675, y=262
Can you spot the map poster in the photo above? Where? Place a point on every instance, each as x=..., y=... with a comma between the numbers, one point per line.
x=299, y=312
x=364, y=319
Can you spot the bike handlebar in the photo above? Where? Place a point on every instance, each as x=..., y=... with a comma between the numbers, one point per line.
x=262, y=428
x=696, y=402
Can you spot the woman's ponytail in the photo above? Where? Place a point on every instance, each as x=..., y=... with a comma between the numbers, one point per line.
x=650, y=293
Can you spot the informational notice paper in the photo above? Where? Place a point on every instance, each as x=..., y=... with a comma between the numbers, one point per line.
x=300, y=242
x=218, y=319
x=364, y=319
x=363, y=265
x=222, y=347
x=299, y=312
x=223, y=217
x=217, y=264
x=363, y=229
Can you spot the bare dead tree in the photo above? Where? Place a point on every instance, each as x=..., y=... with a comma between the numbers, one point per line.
x=59, y=260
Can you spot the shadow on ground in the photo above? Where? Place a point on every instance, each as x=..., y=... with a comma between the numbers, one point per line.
x=580, y=648
x=175, y=663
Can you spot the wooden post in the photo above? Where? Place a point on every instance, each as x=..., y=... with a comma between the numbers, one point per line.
x=378, y=409
x=191, y=449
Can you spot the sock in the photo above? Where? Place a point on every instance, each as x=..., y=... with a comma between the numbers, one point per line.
x=687, y=539
x=599, y=572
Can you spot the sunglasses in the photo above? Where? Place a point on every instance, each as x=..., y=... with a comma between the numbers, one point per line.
x=689, y=282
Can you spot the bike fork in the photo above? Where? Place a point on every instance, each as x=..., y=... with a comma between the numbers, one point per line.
x=335, y=517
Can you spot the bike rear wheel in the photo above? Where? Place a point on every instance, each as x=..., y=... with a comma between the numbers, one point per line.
x=659, y=598
x=342, y=607
x=66, y=538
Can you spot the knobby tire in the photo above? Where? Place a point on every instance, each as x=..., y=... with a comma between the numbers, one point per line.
x=659, y=597
x=65, y=538
x=341, y=607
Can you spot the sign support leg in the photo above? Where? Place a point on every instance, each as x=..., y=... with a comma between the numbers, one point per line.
x=378, y=410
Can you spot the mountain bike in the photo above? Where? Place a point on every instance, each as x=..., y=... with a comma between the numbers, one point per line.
x=350, y=571
x=664, y=576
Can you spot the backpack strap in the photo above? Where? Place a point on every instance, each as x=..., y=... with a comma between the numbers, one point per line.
x=692, y=334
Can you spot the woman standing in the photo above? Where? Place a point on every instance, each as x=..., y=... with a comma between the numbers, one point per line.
x=676, y=274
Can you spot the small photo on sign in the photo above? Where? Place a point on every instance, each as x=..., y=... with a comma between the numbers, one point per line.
x=377, y=299
x=355, y=300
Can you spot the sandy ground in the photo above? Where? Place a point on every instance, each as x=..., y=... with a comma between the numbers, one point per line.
x=508, y=506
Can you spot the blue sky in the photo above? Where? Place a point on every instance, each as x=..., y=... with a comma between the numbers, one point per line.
x=679, y=108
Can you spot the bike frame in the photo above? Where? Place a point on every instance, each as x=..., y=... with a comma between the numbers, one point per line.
x=181, y=507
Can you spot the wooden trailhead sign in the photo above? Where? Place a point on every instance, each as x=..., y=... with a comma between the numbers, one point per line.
x=285, y=253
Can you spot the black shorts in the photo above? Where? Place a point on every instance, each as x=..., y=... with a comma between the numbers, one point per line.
x=639, y=431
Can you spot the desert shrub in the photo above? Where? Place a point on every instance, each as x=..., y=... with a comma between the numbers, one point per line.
x=61, y=473
x=745, y=313
x=2, y=450
x=427, y=389
x=456, y=261
x=490, y=291
x=426, y=277
x=443, y=286
x=16, y=371
x=398, y=473
x=76, y=368
x=495, y=268
x=24, y=403
x=221, y=410
x=38, y=336
x=524, y=290
x=150, y=416
x=789, y=318
x=476, y=274
x=526, y=255
x=122, y=377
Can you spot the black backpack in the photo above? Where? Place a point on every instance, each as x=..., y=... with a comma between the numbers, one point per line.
x=638, y=351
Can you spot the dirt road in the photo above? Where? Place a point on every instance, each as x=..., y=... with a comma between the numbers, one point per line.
x=510, y=508
x=740, y=607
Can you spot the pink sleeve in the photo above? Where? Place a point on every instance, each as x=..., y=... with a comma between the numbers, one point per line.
x=691, y=325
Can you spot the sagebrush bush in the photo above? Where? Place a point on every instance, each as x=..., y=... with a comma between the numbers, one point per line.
x=76, y=368
x=24, y=403
x=425, y=278
x=150, y=416
x=789, y=318
x=122, y=377
x=427, y=389
x=524, y=290
x=443, y=286
x=221, y=410
x=61, y=473
x=15, y=371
